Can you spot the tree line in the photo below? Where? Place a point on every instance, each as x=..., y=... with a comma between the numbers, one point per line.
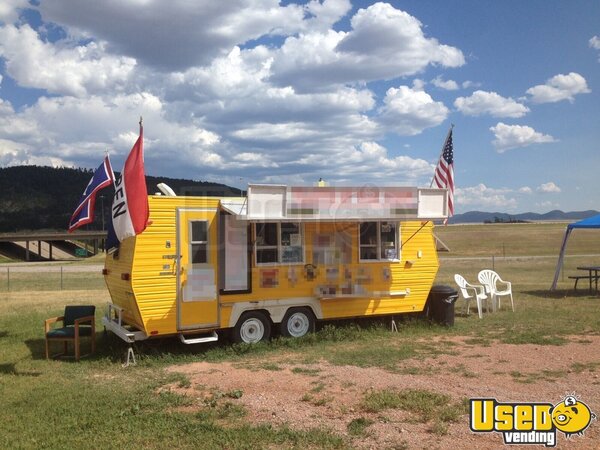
x=43, y=198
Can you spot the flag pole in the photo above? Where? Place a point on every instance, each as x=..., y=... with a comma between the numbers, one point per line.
x=442, y=152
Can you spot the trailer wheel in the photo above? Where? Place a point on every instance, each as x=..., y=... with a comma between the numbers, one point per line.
x=298, y=322
x=252, y=327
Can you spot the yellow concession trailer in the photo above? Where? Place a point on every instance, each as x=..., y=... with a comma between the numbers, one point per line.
x=279, y=259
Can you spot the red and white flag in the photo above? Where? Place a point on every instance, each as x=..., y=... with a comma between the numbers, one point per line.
x=84, y=212
x=130, y=210
x=444, y=172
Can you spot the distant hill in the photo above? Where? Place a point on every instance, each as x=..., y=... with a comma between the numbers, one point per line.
x=34, y=197
x=481, y=217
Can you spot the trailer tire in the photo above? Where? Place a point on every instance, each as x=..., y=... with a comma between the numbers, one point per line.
x=297, y=322
x=252, y=327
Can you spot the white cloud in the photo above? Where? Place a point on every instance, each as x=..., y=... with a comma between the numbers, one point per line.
x=384, y=43
x=233, y=91
x=470, y=84
x=559, y=87
x=373, y=158
x=408, y=112
x=111, y=125
x=547, y=205
x=10, y=10
x=514, y=136
x=482, y=102
x=60, y=67
x=222, y=106
x=481, y=196
x=447, y=85
x=179, y=34
x=322, y=15
x=595, y=44
x=525, y=190
x=393, y=32
x=418, y=84
x=549, y=187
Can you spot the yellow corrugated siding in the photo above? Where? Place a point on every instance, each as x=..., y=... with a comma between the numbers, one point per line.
x=120, y=290
x=152, y=296
x=412, y=272
x=418, y=276
x=155, y=293
x=149, y=298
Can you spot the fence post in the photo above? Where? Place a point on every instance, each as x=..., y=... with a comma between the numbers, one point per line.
x=61, y=278
x=8, y=278
x=493, y=263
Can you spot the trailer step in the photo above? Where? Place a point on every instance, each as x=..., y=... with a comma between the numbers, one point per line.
x=200, y=340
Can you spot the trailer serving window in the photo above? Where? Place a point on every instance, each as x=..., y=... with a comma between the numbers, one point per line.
x=278, y=243
x=378, y=241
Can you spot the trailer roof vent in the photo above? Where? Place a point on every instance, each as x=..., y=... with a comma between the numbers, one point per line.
x=166, y=190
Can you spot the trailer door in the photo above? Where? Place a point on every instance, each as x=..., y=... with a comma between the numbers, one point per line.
x=197, y=303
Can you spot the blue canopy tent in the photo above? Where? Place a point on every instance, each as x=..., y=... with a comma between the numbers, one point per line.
x=590, y=222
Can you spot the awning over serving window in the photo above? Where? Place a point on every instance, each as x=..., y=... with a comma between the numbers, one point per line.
x=235, y=206
x=279, y=202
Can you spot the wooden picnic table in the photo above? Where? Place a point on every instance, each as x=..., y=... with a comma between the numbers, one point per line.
x=591, y=276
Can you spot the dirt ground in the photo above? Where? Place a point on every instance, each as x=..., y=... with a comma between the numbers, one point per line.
x=304, y=396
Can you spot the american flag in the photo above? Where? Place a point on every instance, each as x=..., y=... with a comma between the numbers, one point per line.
x=444, y=172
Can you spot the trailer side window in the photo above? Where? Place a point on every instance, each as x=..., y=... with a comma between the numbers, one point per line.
x=278, y=243
x=199, y=241
x=389, y=249
x=378, y=241
x=368, y=240
x=291, y=243
x=266, y=243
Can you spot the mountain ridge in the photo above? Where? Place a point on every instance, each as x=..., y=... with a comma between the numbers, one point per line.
x=41, y=197
x=484, y=217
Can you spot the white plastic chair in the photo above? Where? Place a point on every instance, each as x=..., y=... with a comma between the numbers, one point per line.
x=472, y=291
x=496, y=287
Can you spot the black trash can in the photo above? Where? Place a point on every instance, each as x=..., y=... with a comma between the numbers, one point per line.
x=440, y=304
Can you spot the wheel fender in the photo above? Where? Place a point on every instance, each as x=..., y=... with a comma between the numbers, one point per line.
x=275, y=309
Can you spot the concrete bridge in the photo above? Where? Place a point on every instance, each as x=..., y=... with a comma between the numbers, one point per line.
x=51, y=245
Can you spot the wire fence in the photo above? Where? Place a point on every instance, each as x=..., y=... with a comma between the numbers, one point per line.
x=50, y=278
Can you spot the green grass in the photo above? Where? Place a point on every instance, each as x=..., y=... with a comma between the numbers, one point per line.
x=270, y=366
x=96, y=403
x=306, y=371
x=48, y=281
x=424, y=403
x=515, y=240
x=358, y=426
x=424, y=406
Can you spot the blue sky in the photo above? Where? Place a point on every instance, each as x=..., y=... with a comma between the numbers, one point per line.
x=286, y=92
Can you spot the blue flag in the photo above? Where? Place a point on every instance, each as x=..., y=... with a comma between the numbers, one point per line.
x=84, y=213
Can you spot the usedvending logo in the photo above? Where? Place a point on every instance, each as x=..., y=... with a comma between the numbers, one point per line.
x=530, y=423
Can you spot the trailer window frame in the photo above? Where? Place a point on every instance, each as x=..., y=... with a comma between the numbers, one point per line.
x=376, y=246
x=196, y=245
x=259, y=244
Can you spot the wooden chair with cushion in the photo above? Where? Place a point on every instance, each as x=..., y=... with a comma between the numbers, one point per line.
x=77, y=321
